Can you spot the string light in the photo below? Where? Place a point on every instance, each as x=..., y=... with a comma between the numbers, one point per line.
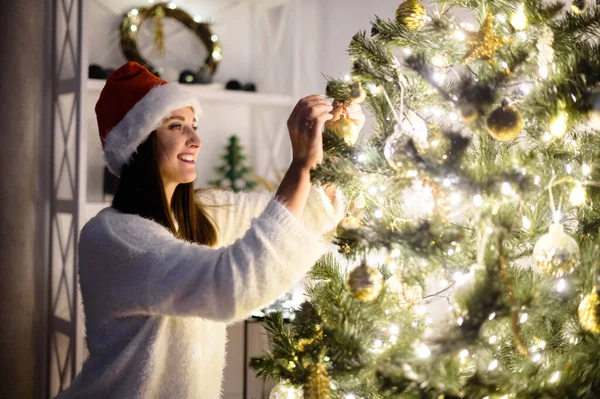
x=133, y=28
x=493, y=365
x=506, y=188
x=347, y=78
x=543, y=72
x=519, y=20
x=198, y=18
x=555, y=377
x=134, y=12
x=423, y=351
x=394, y=330
x=586, y=170
x=407, y=51
x=492, y=316
x=493, y=339
x=558, y=125
x=536, y=357
x=362, y=158
x=460, y=321
x=378, y=213
x=459, y=35
x=577, y=196
x=172, y=5
x=349, y=396
x=477, y=200
x=561, y=285
x=463, y=354
x=523, y=318
x=526, y=223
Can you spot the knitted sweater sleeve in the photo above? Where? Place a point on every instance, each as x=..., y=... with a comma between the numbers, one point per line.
x=232, y=212
x=133, y=266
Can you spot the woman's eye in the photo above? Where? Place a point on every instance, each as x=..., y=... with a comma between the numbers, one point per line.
x=177, y=126
x=195, y=128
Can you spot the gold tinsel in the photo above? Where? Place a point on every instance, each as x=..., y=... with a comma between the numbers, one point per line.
x=505, y=123
x=317, y=383
x=159, y=32
x=589, y=312
x=412, y=14
x=365, y=282
x=484, y=44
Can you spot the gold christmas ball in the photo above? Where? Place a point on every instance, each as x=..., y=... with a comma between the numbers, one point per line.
x=468, y=112
x=358, y=94
x=365, y=283
x=284, y=390
x=589, y=317
x=505, y=123
x=317, y=384
x=578, y=6
x=412, y=14
x=556, y=253
x=346, y=128
x=348, y=223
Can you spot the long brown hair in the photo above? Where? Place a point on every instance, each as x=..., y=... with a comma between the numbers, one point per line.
x=141, y=192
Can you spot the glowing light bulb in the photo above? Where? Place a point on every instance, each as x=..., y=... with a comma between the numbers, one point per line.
x=506, y=188
x=558, y=125
x=493, y=339
x=464, y=353
x=378, y=213
x=561, y=285
x=460, y=321
x=477, y=200
x=198, y=18
x=555, y=377
x=543, y=72
x=394, y=330
x=523, y=318
x=526, y=223
x=423, y=351
x=459, y=35
x=133, y=28
x=172, y=5
x=586, y=170
x=362, y=158
x=347, y=78
x=536, y=357
x=577, y=196
x=492, y=316
x=134, y=11
x=519, y=20
x=493, y=365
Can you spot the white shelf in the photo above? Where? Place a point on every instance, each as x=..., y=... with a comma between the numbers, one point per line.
x=216, y=93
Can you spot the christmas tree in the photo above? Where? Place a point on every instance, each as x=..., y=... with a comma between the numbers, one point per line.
x=473, y=242
x=233, y=174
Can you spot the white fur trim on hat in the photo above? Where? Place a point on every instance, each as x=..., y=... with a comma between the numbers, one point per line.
x=144, y=117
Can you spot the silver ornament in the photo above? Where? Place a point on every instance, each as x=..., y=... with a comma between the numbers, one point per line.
x=556, y=253
x=594, y=111
x=285, y=391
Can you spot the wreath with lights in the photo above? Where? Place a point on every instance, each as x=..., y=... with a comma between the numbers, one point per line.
x=134, y=18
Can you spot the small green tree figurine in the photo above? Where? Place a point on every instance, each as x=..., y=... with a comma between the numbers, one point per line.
x=233, y=173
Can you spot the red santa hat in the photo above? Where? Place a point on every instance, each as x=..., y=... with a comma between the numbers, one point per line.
x=131, y=105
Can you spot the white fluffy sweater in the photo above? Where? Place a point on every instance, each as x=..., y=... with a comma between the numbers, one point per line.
x=156, y=307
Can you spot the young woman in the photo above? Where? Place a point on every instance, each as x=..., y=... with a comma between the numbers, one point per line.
x=164, y=270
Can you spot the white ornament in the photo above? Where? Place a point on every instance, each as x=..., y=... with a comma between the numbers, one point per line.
x=285, y=391
x=556, y=253
x=415, y=127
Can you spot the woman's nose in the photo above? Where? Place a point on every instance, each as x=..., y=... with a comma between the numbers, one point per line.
x=194, y=140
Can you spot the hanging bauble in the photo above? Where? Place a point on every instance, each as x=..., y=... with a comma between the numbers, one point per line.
x=396, y=149
x=346, y=128
x=415, y=127
x=357, y=93
x=505, y=123
x=589, y=312
x=578, y=6
x=411, y=14
x=468, y=111
x=365, y=282
x=556, y=253
x=484, y=44
x=284, y=390
x=407, y=295
x=594, y=109
x=317, y=384
x=347, y=224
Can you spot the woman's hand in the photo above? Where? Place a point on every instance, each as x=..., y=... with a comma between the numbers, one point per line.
x=305, y=126
x=353, y=112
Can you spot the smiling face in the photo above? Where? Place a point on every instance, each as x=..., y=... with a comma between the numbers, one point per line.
x=178, y=146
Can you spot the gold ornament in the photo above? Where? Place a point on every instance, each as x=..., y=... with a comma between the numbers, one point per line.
x=556, y=253
x=484, y=44
x=346, y=128
x=411, y=14
x=365, y=283
x=468, y=112
x=357, y=93
x=284, y=390
x=317, y=383
x=505, y=123
x=348, y=223
x=589, y=308
x=578, y=6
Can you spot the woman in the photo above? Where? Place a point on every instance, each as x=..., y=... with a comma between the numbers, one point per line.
x=164, y=270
